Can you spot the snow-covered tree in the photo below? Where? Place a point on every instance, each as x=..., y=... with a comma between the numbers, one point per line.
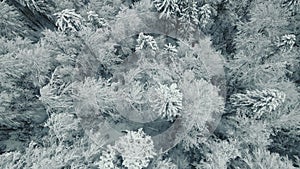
x=259, y=102
x=169, y=101
x=221, y=154
x=258, y=58
x=166, y=163
x=108, y=159
x=136, y=149
x=10, y=21
x=263, y=159
x=68, y=19
x=166, y=7
x=202, y=103
x=145, y=83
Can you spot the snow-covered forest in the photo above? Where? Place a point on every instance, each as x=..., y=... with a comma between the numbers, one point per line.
x=149, y=84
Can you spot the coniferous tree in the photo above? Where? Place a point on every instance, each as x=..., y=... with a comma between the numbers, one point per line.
x=141, y=84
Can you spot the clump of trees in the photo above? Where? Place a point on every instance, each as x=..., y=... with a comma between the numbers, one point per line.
x=149, y=84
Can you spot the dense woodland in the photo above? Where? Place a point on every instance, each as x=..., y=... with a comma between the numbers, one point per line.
x=149, y=84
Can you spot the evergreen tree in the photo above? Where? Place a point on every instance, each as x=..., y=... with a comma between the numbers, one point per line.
x=141, y=84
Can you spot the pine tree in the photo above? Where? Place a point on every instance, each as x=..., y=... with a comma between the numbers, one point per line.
x=10, y=22
x=140, y=84
x=258, y=58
